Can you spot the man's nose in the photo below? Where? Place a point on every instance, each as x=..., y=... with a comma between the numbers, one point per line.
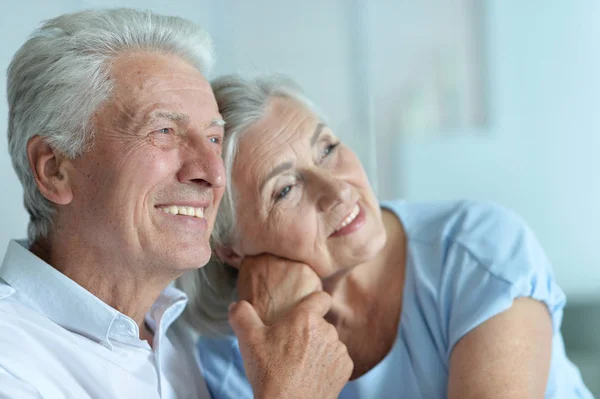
x=203, y=163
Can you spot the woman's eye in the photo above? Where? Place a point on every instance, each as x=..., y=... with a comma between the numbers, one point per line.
x=165, y=130
x=283, y=193
x=215, y=140
x=329, y=149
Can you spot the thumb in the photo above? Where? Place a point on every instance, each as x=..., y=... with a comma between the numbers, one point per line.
x=318, y=302
x=243, y=318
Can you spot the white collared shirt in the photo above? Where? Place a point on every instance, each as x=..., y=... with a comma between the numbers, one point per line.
x=57, y=340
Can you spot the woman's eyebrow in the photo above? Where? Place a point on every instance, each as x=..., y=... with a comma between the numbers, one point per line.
x=276, y=170
x=317, y=133
x=288, y=165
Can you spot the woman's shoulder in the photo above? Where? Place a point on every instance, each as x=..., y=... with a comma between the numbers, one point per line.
x=488, y=231
x=426, y=220
x=469, y=260
x=444, y=236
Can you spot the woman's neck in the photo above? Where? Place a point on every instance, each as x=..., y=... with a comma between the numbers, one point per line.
x=367, y=300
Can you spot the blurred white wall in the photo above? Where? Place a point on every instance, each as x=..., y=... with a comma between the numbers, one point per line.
x=537, y=153
x=540, y=153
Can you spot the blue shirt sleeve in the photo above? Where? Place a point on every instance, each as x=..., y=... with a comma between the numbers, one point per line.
x=493, y=260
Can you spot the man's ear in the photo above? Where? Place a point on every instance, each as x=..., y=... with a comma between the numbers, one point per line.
x=49, y=171
x=229, y=256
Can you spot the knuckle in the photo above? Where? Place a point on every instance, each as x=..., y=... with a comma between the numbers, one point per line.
x=348, y=371
x=301, y=317
x=330, y=332
x=346, y=360
x=322, y=296
x=342, y=351
x=307, y=272
x=313, y=318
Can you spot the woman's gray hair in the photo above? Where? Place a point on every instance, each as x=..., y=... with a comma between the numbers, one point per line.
x=60, y=77
x=242, y=103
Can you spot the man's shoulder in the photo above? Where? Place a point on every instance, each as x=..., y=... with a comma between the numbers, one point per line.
x=36, y=352
x=13, y=307
x=20, y=333
x=26, y=334
x=19, y=324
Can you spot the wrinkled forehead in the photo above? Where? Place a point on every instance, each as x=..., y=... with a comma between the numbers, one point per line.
x=279, y=136
x=145, y=80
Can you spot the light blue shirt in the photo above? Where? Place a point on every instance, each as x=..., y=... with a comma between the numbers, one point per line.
x=466, y=262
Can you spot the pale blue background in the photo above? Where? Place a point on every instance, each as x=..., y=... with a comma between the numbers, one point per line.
x=539, y=153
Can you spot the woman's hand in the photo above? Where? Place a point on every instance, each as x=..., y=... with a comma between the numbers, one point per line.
x=274, y=285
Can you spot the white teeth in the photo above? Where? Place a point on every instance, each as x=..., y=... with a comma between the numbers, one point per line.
x=183, y=210
x=350, y=217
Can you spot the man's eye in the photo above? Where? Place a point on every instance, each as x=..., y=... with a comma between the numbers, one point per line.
x=165, y=130
x=215, y=140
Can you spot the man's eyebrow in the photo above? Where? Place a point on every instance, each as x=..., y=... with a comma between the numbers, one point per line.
x=217, y=122
x=317, y=133
x=181, y=117
x=276, y=170
x=173, y=116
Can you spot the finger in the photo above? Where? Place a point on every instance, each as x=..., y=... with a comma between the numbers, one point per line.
x=243, y=318
x=318, y=302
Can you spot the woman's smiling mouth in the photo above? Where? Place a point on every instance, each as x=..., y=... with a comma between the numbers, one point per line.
x=354, y=221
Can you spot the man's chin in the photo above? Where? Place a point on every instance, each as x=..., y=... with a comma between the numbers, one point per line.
x=193, y=262
x=178, y=261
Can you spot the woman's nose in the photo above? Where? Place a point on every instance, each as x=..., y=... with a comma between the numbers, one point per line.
x=331, y=191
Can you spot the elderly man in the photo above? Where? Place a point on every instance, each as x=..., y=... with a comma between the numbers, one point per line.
x=116, y=137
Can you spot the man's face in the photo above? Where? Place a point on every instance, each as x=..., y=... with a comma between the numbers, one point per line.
x=147, y=192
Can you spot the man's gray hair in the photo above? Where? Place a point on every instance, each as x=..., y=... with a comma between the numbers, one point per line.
x=242, y=102
x=60, y=77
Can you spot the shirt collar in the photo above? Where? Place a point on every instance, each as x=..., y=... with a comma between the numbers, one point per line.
x=71, y=306
x=167, y=308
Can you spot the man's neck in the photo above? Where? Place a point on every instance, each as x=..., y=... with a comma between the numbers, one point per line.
x=130, y=290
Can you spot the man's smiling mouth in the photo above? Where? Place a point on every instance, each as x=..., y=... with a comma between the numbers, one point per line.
x=182, y=210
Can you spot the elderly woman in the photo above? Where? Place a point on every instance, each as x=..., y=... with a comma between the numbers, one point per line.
x=432, y=300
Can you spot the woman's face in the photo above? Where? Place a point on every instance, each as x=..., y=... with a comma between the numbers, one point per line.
x=303, y=195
